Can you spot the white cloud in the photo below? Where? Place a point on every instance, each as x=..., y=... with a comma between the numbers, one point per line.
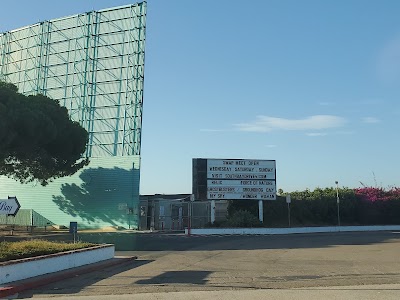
x=268, y=124
x=316, y=134
x=270, y=146
x=370, y=120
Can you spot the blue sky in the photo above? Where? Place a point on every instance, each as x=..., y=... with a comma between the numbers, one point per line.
x=314, y=85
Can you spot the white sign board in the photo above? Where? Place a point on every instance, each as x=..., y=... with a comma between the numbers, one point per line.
x=248, y=183
x=240, y=169
x=9, y=206
x=241, y=189
x=241, y=179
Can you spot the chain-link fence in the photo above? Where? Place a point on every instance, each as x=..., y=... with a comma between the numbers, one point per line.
x=176, y=215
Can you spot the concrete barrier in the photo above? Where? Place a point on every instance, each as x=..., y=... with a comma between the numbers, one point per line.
x=31, y=267
x=266, y=231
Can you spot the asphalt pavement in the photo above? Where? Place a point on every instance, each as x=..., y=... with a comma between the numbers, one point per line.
x=369, y=292
x=322, y=266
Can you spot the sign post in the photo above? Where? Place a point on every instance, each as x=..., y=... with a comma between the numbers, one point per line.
x=260, y=211
x=288, y=201
x=212, y=211
x=9, y=206
x=73, y=228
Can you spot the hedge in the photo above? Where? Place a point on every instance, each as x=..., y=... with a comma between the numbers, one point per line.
x=319, y=208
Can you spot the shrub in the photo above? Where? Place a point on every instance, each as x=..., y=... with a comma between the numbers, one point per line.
x=243, y=218
x=31, y=248
x=373, y=194
x=361, y=206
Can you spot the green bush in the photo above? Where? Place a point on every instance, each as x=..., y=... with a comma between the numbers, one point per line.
x=243, y=218
x=32, y=248
x=318, y=208
x=248, y=205
x=275, y=212
x=378, y=212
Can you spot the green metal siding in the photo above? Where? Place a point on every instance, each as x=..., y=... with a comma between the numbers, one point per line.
x=25, y=217
x=93, y=63
x=95, y=197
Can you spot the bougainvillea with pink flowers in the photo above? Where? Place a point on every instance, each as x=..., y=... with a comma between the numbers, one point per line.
x=373, y=194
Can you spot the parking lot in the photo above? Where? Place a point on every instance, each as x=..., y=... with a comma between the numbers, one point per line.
x=174, y=262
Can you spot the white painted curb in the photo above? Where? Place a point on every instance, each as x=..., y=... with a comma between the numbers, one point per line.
x=26, y=268
x=266, y=231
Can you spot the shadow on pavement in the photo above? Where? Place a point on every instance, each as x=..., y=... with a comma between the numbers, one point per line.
x=77, y=283
x=180, y=242
x=187, y=277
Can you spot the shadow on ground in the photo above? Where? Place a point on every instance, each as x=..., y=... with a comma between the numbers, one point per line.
x=78, y=283
x=186, y=277
x=180, y=242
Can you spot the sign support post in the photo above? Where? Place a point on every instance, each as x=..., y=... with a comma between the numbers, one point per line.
x=212, y=211
x=260, y=211
x=288, y=201
x=73, y=228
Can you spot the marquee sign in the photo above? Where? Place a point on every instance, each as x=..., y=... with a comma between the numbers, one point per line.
x=229, y=179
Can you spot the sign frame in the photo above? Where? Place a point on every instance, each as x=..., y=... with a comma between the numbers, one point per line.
x=234, y=179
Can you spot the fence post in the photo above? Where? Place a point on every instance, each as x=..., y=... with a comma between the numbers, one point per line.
x=189, y=217
x=31, y=220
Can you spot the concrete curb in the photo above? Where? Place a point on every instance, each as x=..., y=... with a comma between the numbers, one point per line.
x=292, y=230
x=27, y=284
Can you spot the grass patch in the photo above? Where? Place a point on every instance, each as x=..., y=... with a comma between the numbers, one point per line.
x=32, y=248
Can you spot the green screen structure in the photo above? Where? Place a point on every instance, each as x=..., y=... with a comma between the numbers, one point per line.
x=93, y=63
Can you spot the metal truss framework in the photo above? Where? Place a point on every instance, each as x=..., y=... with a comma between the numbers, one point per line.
x=93, y=63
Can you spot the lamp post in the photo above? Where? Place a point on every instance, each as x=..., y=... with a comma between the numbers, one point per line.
x=338, y=202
